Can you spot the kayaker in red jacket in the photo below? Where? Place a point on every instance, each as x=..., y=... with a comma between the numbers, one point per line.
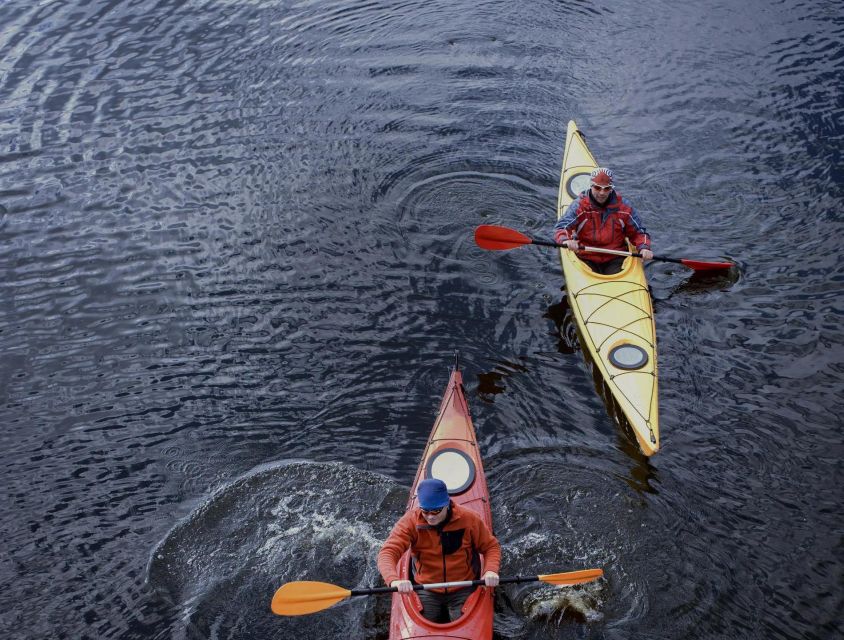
x=444, y=540
x=600, y=217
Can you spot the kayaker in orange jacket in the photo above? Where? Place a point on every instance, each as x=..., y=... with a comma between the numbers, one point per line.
x=600, y=218
x=444, y=540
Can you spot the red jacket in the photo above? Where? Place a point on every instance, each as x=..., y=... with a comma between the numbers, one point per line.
x=445, y=553
x=607, y=227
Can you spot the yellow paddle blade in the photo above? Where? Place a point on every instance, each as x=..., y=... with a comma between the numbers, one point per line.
x=300, y=598
x=572, y=577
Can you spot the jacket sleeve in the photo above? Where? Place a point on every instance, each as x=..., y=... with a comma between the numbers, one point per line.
x=394, y=546
x=488, y=545
x=562, y=230
x=639, y=237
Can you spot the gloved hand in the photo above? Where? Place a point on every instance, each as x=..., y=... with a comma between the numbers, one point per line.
x=574, y=245
x=403, y=586
x=490, y=579
x=646, y=254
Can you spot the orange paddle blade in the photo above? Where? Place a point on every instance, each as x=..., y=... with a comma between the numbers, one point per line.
x=572, y=577
x=301, y=598
x=495, y=238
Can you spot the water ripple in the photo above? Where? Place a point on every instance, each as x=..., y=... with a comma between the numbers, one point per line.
x=239, y=231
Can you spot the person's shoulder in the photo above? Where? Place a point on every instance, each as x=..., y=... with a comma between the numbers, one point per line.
x=409, y=518
x=465, y=513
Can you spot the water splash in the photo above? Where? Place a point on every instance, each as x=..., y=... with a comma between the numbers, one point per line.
x=287, y=521
x=557, y=605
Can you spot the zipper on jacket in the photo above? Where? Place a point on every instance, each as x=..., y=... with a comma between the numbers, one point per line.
x=442, y=547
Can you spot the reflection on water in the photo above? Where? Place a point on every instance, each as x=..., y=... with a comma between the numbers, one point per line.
x=561, y=315
x=492, y=382
x=707, y=281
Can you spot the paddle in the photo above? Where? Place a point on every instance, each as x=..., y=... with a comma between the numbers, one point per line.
x=300, y=598
x=496, y=238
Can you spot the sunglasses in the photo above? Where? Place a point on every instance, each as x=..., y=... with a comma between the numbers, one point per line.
x=600, y=188
x=432, y=512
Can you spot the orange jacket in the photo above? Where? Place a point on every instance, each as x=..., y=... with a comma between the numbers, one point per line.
x=445, y=553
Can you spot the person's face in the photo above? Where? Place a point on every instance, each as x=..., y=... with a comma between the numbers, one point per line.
x=601, y=193
x=434, y=519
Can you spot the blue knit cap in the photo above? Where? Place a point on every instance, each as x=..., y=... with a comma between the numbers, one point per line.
x=432, y=494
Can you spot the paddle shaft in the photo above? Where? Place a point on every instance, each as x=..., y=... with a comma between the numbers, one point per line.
x=609, y=251
x=443, y=585
x=497, y=238
x=419, y=587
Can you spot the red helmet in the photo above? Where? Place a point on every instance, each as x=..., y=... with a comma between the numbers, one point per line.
x=602, y=177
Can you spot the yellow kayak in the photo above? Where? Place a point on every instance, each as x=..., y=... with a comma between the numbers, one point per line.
x=613, y=312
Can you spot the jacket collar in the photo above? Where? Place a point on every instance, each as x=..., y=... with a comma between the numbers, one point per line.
x=611, y=200
x=454, y=513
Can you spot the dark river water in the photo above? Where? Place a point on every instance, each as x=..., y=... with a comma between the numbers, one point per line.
x=237, y=258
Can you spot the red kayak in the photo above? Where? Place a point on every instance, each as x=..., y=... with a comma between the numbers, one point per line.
x=452, y=456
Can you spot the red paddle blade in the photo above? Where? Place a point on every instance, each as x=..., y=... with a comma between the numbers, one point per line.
x=495, y=238
x=697, y=265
